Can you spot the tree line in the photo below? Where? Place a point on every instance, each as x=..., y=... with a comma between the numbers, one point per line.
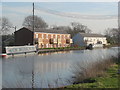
x=39, y=23
x=113, y=35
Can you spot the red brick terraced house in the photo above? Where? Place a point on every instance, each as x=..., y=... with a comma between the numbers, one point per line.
x=44, y=38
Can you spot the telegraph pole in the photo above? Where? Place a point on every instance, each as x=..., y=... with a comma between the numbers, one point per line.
x=14, y=34
x=33, y=59
x=15, y=28
x=33, y=25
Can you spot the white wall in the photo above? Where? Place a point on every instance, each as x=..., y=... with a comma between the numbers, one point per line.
x=94, y=40
x=78, y=40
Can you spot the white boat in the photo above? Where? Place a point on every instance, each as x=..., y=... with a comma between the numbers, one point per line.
x=20, y=49
x=91, y=46
x=97, y=45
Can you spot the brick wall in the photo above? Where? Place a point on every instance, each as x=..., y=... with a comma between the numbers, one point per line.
x=45, y=38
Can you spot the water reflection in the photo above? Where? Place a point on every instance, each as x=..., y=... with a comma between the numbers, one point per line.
x=47, y=66
x=42, y=54
x=50, y=69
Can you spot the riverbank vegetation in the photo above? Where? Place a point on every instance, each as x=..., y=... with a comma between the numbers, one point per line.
x=101, y=74
x=113, y=36
x=48, y=50
x=65, y=48
x=111, y=45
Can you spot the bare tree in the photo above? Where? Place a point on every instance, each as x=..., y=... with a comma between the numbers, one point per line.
x=77, y=27
x=88, y=30
x=61, y=27
x=38, y=22
x=5, y=26
x=112, y=35
x=73, y=29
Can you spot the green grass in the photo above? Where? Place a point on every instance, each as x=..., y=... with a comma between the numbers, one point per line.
x=65, y=48
x=111, y=45
x=109, y=80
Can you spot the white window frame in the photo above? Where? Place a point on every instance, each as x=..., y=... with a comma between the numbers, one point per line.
x=46, y=45
x=42, y=36
x=46, y=36
x=36, y=36
x=51, y=35
x=60, y=36
x=68, y=36
x=56, y=36
x=64, y=37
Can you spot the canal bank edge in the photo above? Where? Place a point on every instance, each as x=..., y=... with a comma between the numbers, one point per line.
x=49, y=50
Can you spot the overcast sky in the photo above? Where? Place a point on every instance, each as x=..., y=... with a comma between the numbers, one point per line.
x=98, y=16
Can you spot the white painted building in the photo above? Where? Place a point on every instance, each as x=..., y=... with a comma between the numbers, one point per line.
x=85, y=39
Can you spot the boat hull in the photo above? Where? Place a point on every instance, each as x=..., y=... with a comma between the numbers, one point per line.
x=3, y=55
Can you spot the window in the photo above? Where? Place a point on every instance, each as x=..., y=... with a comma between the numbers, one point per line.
x=56, y=36
x=51, y=35
x=47, y=36
x=39, y=36
x=99, y=42
x=60, y=36
x=36, y=35
x=64, y=36
x=42, y=35
x=46, y=45
x=68, y=36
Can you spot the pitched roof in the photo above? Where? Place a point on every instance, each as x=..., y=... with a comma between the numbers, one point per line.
x=51, y=31
x=46, y=30
x=91, y=35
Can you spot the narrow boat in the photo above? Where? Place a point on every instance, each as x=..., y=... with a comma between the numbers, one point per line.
x=13, y=50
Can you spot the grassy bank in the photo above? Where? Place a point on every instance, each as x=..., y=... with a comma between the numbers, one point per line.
x=48, y=50
x=64, y=48
x=105, y=76
x=111, y=45
x=73, y=48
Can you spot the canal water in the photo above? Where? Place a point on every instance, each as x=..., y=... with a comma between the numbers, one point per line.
x=48, y=70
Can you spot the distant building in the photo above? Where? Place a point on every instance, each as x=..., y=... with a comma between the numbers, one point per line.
x=44, y=38
x=85, y=39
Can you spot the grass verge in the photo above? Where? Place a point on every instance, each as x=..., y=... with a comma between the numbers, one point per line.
x=108, y=79
x=65, y=48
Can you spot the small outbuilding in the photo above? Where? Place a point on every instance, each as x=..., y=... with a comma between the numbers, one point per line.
x=23, y=37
